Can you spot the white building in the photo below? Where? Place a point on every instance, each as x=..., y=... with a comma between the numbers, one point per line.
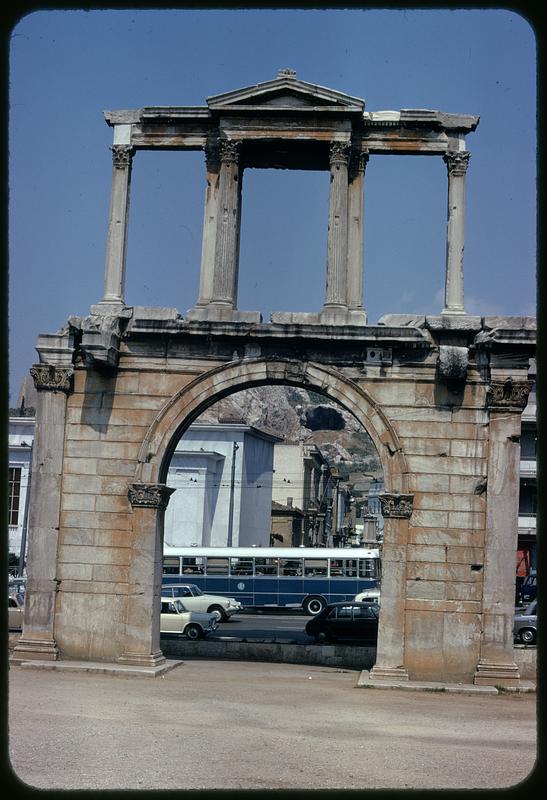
x=222, y=474
x=20, y=439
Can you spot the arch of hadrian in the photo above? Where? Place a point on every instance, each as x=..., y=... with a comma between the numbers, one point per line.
x=441, y=396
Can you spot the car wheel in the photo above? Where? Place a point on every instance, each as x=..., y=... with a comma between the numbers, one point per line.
x=218, y=612
x=193, y=632
x=527, y=636
x=321, y=637
x=314, y=605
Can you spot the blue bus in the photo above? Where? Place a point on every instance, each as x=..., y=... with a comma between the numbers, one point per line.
x=262, y=577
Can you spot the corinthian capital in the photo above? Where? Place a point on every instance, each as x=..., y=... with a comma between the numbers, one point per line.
x=229, y=151
x=340, y=153
x=358, y=162
x=508, y=394
x=122, y=155
x=396, y=505
x=457, y=162
x=149, y=495
x=49, y=378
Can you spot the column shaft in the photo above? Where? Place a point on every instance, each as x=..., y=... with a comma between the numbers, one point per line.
x=355, y=231
x=457, y=167
x=227, y=233
x=209, y=225
x=114, y=281
x=337, y=245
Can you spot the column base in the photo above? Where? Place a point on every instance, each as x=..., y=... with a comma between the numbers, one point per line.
x=379, y=673
x=35, y=649
x=221, y=313
x=154, y=659
x=490, y=673
x=453, y=310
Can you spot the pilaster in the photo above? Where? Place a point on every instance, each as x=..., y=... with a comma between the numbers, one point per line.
x=227, y=233
x=142, y=634
x=390, y=652
x=505, y=400
x=37, y=641
x=212, y=160
x=358, y=164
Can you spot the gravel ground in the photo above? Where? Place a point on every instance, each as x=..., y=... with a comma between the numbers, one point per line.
x=250, y=725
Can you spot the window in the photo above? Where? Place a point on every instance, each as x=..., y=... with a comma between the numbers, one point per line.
x=14, y=495
x=367, y=568
x=217, y=566
x=364, y=612
x=266, y=566
x=238, y=566
x=351, y=568
x=192, y=566
x=336, y=568
x=171, y=565
x=343, y=612
x=290, y=567
x=315, y=567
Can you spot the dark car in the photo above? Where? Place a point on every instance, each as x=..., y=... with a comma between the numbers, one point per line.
x=528, y=590
x=346, y=622
x=526, y=625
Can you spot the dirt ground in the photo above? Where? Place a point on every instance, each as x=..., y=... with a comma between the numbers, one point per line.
x=251, y=725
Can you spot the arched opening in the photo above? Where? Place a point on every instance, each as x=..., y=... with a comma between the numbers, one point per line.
x=303, y=380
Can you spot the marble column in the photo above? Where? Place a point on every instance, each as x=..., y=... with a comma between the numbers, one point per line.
x=227, y=227
x=114, y=279
x=337, y=244
x=212, y=161
x=355, y=231
x=37, y=641
x=390, y=651
x=506, y=401
x=142, y=631
x=456, y=163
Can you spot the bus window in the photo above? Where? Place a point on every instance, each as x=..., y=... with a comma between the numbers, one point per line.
x=336, y=568
x=367, y=568
x=315, y=567
x=290, y=567
x=240, y=566
x=351, y=568
x=266, y=566
x=171, y=565
x=192, y=566
x=217, y=566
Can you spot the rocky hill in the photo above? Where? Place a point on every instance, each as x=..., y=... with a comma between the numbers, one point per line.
x=300, y=415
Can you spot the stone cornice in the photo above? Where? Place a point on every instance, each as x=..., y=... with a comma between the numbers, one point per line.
x=397, y=506
x=149, y=495
x=50, y=378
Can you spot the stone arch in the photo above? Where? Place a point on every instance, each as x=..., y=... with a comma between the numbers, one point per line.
x=191, y=400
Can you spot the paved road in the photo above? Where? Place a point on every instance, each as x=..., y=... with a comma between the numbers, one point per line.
x=242, y=725
x=265, y=626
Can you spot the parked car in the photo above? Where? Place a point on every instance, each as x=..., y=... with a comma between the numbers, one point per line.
x=525, y=626
x=16, y=602
x=529, y=588
x=195, y=600
x=175, y=618
x=345, y=621
x=17, y=585
x=368, y=594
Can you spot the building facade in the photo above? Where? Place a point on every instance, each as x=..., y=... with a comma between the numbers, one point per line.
x=20, y=441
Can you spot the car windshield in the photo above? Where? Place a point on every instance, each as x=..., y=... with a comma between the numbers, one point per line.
x=196, y=591
x=178, y=605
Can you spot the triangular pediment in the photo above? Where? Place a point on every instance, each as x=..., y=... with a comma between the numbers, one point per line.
x=285, y=92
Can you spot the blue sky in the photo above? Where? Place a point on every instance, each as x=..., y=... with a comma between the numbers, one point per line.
x=67, y=66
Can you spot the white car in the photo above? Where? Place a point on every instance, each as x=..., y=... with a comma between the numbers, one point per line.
x=195, y=600
x=175, y=618
x=15, y=610
x=368, y=594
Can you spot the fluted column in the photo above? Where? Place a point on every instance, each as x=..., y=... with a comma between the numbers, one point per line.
x=37, y=641
x=142, y=632
x=227, y=233
x=355, y=231
x=337, y=245
x=212, y=161
x=456, y=163
x=114, y=279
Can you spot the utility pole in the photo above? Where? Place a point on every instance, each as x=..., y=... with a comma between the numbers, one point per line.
x=235, y=448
